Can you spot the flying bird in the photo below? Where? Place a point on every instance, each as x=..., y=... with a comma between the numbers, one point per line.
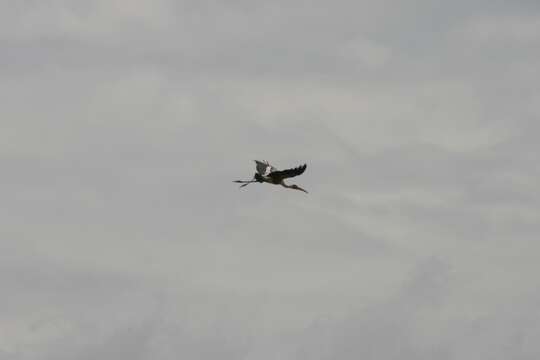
x=266, y=173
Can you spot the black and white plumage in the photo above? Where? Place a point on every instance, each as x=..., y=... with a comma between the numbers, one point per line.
x=266, y=173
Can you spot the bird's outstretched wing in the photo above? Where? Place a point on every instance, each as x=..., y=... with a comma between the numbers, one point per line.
x=288, y=173
x=264, y=168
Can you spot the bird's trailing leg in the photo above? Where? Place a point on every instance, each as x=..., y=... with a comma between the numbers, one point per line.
x=295, y=187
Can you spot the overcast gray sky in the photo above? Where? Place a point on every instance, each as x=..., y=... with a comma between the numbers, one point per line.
x=123, y=123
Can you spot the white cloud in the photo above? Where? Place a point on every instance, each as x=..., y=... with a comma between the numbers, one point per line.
x=122, y=235
x=503, y=29
x=78, y=20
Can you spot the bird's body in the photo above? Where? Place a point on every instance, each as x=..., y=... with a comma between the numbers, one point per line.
x=266, y=173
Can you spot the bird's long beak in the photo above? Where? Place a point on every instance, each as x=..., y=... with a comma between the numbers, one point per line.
x=299, y=188
x=245, y=183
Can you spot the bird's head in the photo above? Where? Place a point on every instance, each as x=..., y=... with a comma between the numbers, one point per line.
x=257, y=177
x=296, y=187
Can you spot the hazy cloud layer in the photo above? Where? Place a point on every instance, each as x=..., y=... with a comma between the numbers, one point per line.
x=124, y=122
